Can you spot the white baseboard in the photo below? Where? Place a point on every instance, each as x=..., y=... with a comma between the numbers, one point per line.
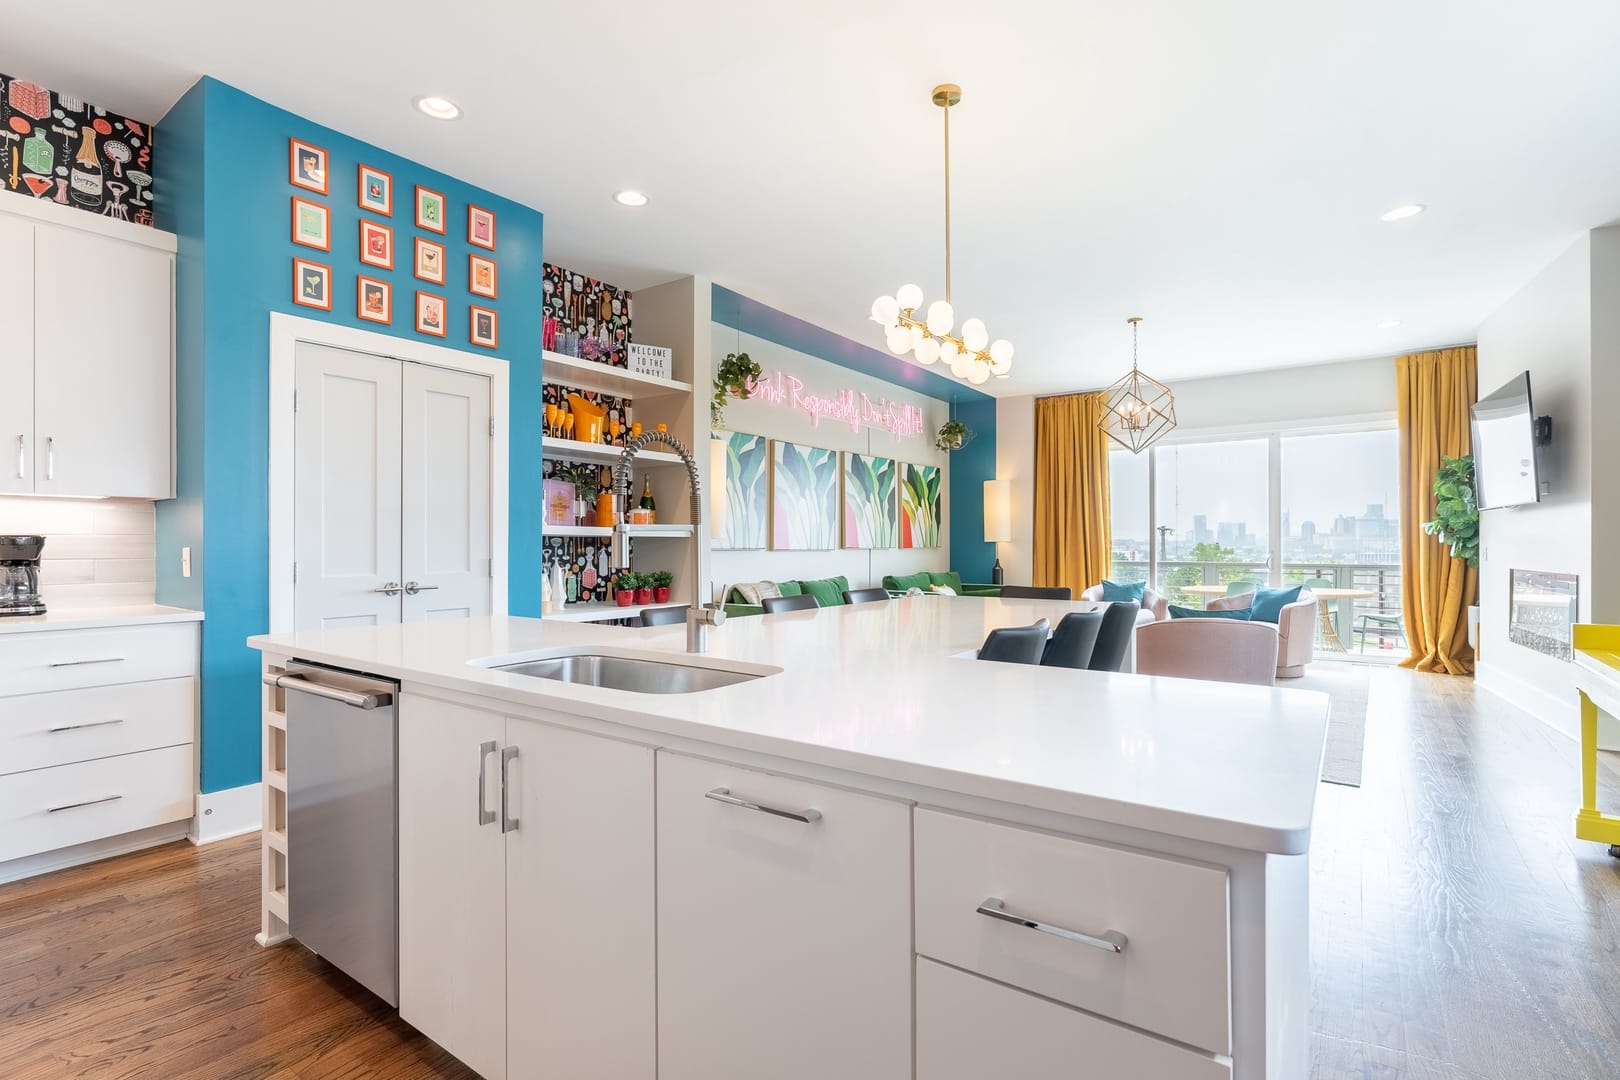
x=224, y=814
x=94, y=851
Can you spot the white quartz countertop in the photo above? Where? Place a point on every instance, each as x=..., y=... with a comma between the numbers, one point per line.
x=91, y=618
x=881, y=690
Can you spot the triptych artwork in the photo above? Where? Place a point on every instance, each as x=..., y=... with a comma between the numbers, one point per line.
x=789, y=497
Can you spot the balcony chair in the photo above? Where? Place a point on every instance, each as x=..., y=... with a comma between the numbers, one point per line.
x=1219, y=650
x=1074, y=640
x=1383, y=623
x=1327, y=610
x=1238, y=588
x=1036, y=592
x=1114, y=636
x=1016, y=644
x=866, y=596
x=774, y=605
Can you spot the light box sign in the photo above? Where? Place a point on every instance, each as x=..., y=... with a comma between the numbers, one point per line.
x=851, y=408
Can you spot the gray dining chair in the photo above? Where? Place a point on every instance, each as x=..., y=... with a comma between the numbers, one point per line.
x=1114, y=636
x=663, y=616
x=865, y=596
x=1016, y=644
x=775, y=605
x=1074, y=640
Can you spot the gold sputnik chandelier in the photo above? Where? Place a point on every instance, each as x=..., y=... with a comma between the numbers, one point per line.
x=970, y=354
x=1138, y=410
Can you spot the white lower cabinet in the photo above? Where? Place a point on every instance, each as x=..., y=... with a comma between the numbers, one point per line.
x=784, y=927
x=526, y=894
x=970, y=1028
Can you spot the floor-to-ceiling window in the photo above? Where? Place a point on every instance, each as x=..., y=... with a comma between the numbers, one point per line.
x=1210, y=516
x=1130, y=524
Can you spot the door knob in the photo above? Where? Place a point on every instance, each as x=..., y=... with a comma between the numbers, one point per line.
x=389, y=589
x=413, y=587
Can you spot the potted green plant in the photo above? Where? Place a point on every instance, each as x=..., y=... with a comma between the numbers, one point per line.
x=1456, y=513
x=734, y=377
x=625, y=586
x=952, y=435
x=661, y=581
x=644, y=589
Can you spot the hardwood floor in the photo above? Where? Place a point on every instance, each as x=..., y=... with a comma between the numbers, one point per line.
x=1459, y=931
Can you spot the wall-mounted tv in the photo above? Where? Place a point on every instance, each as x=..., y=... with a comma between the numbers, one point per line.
x=1504, y=427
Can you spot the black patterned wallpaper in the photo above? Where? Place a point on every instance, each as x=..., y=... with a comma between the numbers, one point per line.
x=58, y=147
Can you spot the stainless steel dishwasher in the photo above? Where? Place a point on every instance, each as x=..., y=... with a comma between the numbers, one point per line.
x=342, y=815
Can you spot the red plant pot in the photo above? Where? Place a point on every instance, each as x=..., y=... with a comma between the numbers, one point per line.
x=625, y=597
x=661, y=594
x=644, y=596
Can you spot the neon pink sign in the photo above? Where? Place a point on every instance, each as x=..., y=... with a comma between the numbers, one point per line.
x=849, y=407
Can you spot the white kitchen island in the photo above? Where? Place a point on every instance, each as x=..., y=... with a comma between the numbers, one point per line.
x=879, y=859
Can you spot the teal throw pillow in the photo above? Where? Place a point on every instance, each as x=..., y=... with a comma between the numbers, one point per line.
x=1179, y=612
x=1268, y=603
x=1115, y=592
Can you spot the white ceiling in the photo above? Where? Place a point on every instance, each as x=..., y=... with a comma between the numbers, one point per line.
x=1216, y=167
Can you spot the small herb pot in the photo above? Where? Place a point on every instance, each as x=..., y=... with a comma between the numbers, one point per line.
x=625, y=597
x=644, y=596
x=661, y=594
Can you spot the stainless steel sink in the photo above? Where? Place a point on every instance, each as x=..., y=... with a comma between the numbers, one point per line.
x=628, y=673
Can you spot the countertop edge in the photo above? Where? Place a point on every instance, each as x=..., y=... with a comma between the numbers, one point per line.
x=96, y=618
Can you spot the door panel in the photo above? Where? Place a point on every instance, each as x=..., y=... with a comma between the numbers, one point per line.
x=16, y=355
x=445, y=498
x=346, y=488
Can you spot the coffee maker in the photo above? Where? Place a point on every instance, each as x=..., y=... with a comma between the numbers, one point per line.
x=19, y=575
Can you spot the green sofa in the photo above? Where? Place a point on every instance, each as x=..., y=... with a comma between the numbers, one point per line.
x=829, y=592
x=927, y=579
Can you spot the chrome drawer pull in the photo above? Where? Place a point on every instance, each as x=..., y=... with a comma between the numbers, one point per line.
x=80, y=663
x=356, y=698
x=1109, y=940
x=485, y=815
x=509, y=823
x=724, y=795
x=22, y=456
x=87, y=802
x=81, y=727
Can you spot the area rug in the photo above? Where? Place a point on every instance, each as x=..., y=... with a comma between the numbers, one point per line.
x=1346, y=686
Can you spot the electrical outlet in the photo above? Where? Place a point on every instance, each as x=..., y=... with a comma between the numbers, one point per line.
x=185, y=562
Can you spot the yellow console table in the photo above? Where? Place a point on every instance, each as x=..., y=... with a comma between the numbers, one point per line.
x=1597, y=677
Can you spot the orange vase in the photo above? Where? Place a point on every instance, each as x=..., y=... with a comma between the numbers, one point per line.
x=604, y=510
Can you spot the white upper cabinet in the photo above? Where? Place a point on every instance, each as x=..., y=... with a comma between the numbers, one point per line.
x=103, y=370
x=16, y=356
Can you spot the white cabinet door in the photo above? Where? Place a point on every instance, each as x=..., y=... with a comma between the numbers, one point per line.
x=445, y=495
x=784, y=945
x=16, y=355
x=580, y=948
x=103, y=367
x=452, y=880
x=346, y=480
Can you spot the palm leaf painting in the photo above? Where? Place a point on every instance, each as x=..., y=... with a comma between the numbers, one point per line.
x=804, y=503
x=746, y=492
x=870, y=512
x=919, y=506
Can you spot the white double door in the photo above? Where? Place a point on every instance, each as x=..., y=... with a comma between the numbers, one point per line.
x=391, y=490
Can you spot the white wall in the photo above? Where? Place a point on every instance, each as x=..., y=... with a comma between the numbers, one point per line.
x=1561, y=327
x=781, y=421
x=98, y=552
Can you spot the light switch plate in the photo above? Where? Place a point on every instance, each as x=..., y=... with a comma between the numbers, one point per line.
x=185, y=562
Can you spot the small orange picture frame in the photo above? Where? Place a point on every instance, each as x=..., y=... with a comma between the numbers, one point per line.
x=312, y=284
x=374, y=300
x=428, y=261
x=311, y=224
x=483, y=326
x=481, y=227
x=376, y=244
x=376, y=191
x=306, y=166
x=431, y=209
x=430, y=314
x=482, y=276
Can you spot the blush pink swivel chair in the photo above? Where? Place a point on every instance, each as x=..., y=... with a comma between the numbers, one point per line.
x=1151, y=601
x=1296, y=630
x=1220, y=650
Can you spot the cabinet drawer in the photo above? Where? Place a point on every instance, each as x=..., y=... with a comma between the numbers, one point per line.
x=969, y=1028
x=69, y=659
x=41, y=730
x=71, y=804
x=1171, y=975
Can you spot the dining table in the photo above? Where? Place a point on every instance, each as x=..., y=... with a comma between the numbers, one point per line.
x=1330, y=634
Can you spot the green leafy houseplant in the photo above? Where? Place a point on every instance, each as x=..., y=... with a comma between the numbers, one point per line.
x=952, y=435
x=733, y=378
x=660, y=581
x=1456, y=514
x=625, y=586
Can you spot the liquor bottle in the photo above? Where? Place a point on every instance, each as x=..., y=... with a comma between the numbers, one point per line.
x=995, y=572
x=647, y=503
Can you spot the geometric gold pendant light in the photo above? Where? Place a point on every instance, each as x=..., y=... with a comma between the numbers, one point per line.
x=970, y=354
x=1138, y=410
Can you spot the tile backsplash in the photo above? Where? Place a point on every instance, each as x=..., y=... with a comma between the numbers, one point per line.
x=98, y=552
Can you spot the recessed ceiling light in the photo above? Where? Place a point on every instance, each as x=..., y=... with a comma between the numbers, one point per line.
x=439, y=108
x=1401, y=213
x=629, y=198
x=1389, y=324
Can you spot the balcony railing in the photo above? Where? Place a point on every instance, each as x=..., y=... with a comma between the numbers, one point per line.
x=1344, y=616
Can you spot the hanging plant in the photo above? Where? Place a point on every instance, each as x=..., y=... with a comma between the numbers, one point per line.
x=733, y=378
x=1456, y=514
x=952, y=435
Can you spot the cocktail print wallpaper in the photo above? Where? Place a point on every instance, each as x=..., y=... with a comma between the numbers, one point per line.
x=56, y=146
x=585, y=318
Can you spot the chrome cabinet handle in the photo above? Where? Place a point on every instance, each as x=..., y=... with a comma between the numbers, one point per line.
x=508, y=822
x=81, y=727
x=22, y=456
x=87, y=802
x=80, y=663
x=50, y=457
x=724, y=795
x=485, y=816
x=412, y=588
x=1109, y=940
x=355, y=698
x=390, y=588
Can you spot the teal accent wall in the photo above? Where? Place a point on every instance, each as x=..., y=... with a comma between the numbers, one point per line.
x=971, y=466
x=226, y=194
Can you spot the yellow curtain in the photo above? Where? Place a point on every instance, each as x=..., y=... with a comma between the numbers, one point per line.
x=1434, y=392
x=1071, y=492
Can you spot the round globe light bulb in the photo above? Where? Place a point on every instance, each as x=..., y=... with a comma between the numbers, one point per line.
x=961, y=367
x=979, y=374
x=948, y=352
x=885, y=309
x=1001, y=352
x=927, y=351
x=918, y=335
x=974, y=336
x=940, y=318
x=910, y=298
x=898, y=339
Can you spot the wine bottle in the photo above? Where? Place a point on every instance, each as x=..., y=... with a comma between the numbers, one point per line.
x=647, y=503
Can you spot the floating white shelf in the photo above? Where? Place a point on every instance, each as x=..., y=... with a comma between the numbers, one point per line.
x=574, y=450
x=603, y=612
x=654, y=532
x=618, y=382
x=577, y=530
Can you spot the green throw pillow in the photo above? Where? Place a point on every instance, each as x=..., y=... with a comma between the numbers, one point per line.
x=1268, y=603
x=829, y=592
x=1178, y=612
x=789, y=588
x=902, y=582
x=1115, y=592
x=949, y=577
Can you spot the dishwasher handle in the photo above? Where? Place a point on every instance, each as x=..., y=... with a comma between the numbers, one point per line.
x=354, y=698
